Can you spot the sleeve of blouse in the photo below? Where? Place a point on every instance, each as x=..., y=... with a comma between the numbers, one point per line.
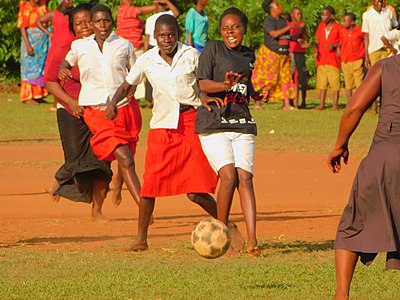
x=23, y=15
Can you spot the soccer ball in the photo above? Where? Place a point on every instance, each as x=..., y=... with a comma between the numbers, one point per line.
x=211, y=238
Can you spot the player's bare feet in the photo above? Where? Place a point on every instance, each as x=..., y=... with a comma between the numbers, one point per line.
x=138, y=246
x=255, y=251
x=97, y=216
x=51, y=190
x=231, y=252
x=116, y=196
x=237, y=240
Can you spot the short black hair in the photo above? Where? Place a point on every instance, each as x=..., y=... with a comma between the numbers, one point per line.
x=330, y=9
x=351, y=16
x=237, y=12
x=101, y=8
x=166, y=20
x=266, y=6
x=74, y=11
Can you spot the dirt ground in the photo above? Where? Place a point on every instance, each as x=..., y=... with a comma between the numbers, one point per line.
x=297, y=199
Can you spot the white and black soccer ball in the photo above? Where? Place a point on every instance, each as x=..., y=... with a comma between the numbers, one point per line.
x=211, y=238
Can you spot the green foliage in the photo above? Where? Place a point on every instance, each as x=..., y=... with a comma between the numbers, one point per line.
x=10, y=43
x=10, y=40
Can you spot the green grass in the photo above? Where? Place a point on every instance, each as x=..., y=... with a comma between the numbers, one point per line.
x=297, y=270
x=304, y=130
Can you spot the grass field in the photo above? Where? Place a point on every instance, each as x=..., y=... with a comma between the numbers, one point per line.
x=306, y=130
x=287, y=270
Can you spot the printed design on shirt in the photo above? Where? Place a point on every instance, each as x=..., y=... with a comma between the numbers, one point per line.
x=237, y=94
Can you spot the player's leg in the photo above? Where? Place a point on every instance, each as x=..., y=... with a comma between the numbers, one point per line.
x=205, y=201
x=99, y=191
x=126, y=165
x=118, y=181
x=146, y=208
x=345, y=262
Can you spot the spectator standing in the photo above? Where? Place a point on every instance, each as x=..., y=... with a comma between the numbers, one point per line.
x=297, y=50
x=352, y=53
x=131, y=27
x=61, y=36
x=328, y=62
x=272, y=65
x=34, y=47
x=197, y=25
x=376, y=22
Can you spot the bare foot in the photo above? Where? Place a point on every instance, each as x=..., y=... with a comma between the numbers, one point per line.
x=335, y=107
x=99, y=217
x=255, y=251
x=288, y=108
x=320, y=108
x=237, y=240
x=116, y=196
x=340, y=297
x=138, y=246
x=231, y=252
x=51, y=190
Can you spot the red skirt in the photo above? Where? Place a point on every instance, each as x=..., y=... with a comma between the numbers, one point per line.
x=175, y=162
x=108, y=135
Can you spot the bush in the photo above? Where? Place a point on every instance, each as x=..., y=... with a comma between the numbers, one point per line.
x=10, y=44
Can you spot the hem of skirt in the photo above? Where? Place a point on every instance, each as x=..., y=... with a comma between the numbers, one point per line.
x=175, y=193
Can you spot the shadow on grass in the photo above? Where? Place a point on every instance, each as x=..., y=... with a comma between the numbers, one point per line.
x=297, y=246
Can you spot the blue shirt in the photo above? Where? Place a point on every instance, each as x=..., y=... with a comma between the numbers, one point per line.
x=198, y=26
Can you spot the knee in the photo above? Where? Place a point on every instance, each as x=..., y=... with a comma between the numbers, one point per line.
x=229, y=179
x=246, y=179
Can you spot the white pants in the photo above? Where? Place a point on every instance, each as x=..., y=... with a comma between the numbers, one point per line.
x=224, y=148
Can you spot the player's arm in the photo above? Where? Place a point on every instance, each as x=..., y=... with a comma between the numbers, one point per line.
x=55, y=89
x=367, y=62
x=121, y=93
x=45, y=20
x=362, y=99
x=170, y=6
x=65, y=71
x=212, y=86
x=388, y=45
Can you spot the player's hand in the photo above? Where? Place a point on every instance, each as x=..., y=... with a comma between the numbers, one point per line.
x=111, y=112
x=261, y=95
x=77, y=110
x=367, y=63
x=334, y=159
x=231, y=79
x=206, y=100
x=64, y=74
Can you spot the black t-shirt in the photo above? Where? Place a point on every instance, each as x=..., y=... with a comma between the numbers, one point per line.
x=280, y=44
x=215, y=60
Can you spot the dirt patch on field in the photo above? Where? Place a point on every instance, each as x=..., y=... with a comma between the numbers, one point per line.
x=297, y=199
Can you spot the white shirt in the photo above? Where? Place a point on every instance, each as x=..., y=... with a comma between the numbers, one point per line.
x=172, y=84
x=394, y=38
x=151, y=23
x=101, y=73
x=377, y=25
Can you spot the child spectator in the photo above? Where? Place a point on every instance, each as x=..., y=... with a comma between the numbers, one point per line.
x=104, y=60
x=352, y=53
x=328, y=71
x=197, y=25
x=297, y=49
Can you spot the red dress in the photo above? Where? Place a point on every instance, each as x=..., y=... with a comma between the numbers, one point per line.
x=62, y=38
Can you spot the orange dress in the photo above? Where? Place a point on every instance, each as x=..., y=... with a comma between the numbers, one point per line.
x=32, y=67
